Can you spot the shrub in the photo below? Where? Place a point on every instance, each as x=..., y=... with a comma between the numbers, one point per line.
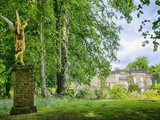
x=133, y=88
x=157, y=88
x=150, y=93
x=119, y=92
x=86, y=93
x=136, y=96
x=81, y=91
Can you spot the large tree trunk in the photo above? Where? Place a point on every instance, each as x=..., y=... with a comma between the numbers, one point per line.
x=62, y=47
x=63, y=76
x=42, y=55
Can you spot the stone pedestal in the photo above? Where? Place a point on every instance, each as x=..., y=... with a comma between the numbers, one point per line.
x=24, y=87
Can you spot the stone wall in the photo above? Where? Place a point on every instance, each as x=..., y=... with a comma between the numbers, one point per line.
x=120, y=76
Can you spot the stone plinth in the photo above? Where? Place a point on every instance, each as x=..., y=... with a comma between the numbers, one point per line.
x=24, y=87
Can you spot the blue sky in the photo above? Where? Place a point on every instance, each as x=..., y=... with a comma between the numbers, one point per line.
x=131, y=40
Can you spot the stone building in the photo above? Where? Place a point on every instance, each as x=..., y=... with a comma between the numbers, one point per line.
x=139, y=77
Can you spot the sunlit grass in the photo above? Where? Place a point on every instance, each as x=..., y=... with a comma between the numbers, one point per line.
x=55, y=108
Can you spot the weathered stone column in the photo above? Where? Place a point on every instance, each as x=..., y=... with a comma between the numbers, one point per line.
x=24, y=87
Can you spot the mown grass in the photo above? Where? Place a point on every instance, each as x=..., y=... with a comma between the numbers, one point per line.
x=71, y=109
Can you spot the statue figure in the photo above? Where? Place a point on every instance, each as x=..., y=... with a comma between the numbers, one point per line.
x=18, y=31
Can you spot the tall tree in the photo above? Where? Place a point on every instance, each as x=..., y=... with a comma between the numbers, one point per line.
x=62, y=23
x=42, y=54
x=76, y=38
x=64, y=60
x=93, y=38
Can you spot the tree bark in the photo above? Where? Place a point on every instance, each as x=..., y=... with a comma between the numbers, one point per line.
x=62, y=47
x=42, y=54
x=62, y=87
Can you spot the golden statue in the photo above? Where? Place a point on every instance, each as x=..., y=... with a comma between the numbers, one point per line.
x=19, y=36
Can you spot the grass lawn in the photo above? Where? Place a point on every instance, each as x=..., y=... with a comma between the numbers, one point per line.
x=71, y=109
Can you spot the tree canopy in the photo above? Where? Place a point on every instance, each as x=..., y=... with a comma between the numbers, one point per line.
x=66, y=40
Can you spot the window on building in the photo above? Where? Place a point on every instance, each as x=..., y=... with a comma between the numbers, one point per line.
x=141, y=79
x=150, y=82
x=142, y=90
x=134, y=79
x=125, y=84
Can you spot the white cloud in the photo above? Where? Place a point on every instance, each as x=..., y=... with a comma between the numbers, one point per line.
x=131, y=40
x=132, y=49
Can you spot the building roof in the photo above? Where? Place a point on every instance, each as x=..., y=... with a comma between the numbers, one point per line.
x=117, y=71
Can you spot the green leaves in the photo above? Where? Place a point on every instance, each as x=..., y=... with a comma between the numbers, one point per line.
x=92, y=40
x=145, y=2
x=140, y=63
x=124, y=6
x=2, y=66
x=155, y=35
x=118, y=92
x=157, y=2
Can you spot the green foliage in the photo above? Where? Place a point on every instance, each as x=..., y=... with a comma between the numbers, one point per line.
x=7, y=50
x=155, y=78
x=2, y=66
x=118, y=92
x=2, y=77
x=5, y=106
x=89, y=36
x=151, y=69
x=130, y=79
x=155, y=74
x=151, y=95
x=121, y=5
x=92, y=40
x=133, y=88
x=136, y=96
x=157, y=88
x=87, y=93
x=155, y=34
x=102, y=94
x=81, y=91
x=140, y=63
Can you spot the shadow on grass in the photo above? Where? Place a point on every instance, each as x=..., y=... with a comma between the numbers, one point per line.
x=112, y=114
x=93, y=110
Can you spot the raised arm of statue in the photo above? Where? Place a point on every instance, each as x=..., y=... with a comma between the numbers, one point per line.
x=25, y=24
